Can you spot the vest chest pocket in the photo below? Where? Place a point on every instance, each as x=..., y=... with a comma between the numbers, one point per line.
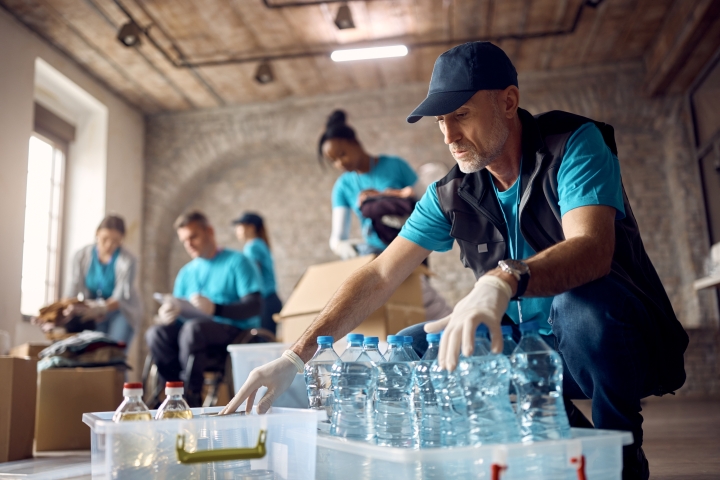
x=481, y=243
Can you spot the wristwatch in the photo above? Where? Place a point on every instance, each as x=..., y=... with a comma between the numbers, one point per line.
x=520, y=271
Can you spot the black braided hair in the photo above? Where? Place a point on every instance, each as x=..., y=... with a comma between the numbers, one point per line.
x=336, y=127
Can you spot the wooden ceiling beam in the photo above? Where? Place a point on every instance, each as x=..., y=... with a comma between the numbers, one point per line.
x=685, y=26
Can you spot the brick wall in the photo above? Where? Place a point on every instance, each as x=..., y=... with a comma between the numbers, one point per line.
x=262, y=157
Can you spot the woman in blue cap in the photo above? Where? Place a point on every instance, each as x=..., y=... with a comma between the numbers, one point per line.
x=250, y=229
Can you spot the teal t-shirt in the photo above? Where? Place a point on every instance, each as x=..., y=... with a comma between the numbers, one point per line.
x=389, y=172
x=223, y=279
x=589, y=175
x=100, y=278
x=259, y=252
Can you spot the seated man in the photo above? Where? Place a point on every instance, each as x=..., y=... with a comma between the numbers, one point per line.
x=222, y=283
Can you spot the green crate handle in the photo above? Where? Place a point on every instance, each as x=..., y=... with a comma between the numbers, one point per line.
x=221, y=455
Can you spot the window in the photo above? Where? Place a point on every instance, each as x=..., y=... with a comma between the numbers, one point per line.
x=43, y=221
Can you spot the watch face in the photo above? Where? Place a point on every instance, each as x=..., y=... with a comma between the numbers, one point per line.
x=517, y=265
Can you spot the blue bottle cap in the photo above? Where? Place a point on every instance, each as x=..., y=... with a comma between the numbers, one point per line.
x=325, y=340
x=371, y=340
x=407, y=340
x=507, y=330
x=532, y=326
x=395, y=339
x=355, y=337
x=432, y=337
x=482, y=330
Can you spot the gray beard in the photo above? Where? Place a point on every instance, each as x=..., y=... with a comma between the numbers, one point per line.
x=477, y=161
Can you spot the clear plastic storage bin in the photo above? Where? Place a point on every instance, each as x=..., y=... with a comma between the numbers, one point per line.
x=278, y=446
x=245, y=357
x=590, y=454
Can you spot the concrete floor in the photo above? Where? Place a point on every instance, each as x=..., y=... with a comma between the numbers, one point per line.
x=682, y=439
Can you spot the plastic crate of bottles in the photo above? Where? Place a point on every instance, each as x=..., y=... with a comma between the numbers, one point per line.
x=278, y=446
x=589, y=454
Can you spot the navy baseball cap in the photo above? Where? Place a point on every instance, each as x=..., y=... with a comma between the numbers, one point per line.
x=461, y=72
x=249, y=217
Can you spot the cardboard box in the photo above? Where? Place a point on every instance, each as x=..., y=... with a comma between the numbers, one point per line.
x=28, y=350
x=319, y=284
x=63, y=395
x=17, y=408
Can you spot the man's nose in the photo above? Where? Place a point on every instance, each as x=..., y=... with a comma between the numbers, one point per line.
x=451, y=133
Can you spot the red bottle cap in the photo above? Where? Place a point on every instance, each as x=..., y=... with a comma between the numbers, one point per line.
x=132, y=385
x=174, y=385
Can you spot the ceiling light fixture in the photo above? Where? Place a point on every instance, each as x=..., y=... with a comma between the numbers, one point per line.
x=344, y=18
x=129, y=34
x=369, y=53
x=264, y=73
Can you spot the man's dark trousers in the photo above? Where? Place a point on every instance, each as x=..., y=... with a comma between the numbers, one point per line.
x=605, y=336
x=172, y=345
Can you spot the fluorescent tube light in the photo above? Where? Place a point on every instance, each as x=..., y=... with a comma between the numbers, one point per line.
x=369, y=53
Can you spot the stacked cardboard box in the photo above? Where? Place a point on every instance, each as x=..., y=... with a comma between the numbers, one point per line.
x=17, y=408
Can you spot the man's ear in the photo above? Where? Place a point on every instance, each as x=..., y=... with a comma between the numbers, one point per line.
x=510, y=101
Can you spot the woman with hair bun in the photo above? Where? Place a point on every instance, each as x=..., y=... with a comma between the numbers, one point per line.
x=103, y=274
x=364, y=177
x=383, y=185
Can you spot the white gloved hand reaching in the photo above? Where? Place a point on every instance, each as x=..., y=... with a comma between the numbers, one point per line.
x=168, y=313
x=277, y=376
x=203, y=304
x=343, y=249
x=486, y=303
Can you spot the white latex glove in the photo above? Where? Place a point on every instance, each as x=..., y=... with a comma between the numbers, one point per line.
x=343, y=249
x=95, y=309
x=203, y=304
x=277, y=376
x=486, y=303
x=168, y=313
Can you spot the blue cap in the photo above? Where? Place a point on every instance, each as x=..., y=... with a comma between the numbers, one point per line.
x=432, y=337
x=532, y=326
x=506, y=330
x=461, y=72
x=355, y=337
x=325, y=340
x=407, y=339
x=482, y=330
x=249, y=218
x=371, y=340
x=395, y=339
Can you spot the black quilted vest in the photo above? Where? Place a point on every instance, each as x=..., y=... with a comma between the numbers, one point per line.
x=469, y=203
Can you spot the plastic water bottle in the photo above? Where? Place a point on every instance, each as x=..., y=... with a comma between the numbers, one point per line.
x=485, y=378
x=132, y=407
x=453, y=406
x=429, y=420
x=408, y=346
x=353, y=385
x=509, y=343
x=538, y=374
x=174, y=405
x=370, y=347
x=354, y=347
x=318, y=376
x=395, y=423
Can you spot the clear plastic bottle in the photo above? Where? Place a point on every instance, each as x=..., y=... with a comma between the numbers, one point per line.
x=485, y=378
x=353, y=385
x=453, y=406
x=318, y=376
x=395, y=422
x=370, y=347
x=509, y=343
x=429, y=419
x=354, y=347
x=174, y=405
x=132, y=407
x=538, y=374
x=408, y=346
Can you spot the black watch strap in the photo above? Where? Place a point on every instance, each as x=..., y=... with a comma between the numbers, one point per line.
x=522, y=286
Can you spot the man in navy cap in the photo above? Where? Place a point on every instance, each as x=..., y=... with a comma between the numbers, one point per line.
x=537, y=206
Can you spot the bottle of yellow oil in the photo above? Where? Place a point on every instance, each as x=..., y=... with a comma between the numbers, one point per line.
x=174, y=405
x=132, y=407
